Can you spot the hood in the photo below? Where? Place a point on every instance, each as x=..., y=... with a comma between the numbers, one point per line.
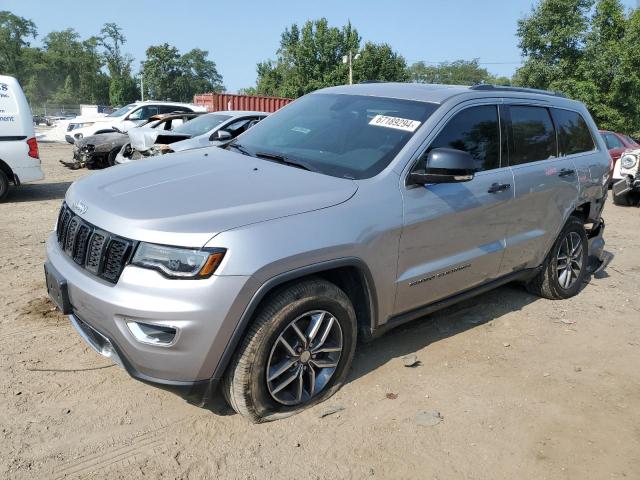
x=187, y=198
x=93, y=118
x=111, y=138
x=197, y=142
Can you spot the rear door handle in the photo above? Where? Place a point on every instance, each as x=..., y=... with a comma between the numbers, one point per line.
x=566, y=172
x=499, y=187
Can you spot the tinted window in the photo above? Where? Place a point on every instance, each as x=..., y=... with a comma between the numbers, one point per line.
x=474, y=130
x=573, y=134
x=612, y=141
x=171, y=109
x=202, y=124
x=352, y=136
x=533, y=136
x=630, y=141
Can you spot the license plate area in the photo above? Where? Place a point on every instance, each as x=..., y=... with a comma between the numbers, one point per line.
x=57, y=289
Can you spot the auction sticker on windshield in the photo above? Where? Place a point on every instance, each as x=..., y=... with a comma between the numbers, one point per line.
x=395, y=122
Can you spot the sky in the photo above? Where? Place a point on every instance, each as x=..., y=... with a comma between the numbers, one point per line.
x=238, y=35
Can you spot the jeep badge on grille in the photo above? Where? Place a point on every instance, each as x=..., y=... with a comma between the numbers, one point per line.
x=80, y=207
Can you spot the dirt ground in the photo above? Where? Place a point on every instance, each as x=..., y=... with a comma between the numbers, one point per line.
x=527, y=388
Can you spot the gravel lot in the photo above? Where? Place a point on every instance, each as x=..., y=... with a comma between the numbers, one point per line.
x=527, y=388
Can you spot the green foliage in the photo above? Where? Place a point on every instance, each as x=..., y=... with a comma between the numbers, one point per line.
x=122, y=86
x=171, y=76
x=69, y=70
x=15, y=33
x=591, y=54
x=310, y=58
x=459, y=72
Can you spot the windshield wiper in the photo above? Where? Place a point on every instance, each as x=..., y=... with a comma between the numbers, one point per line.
x=240, y=148
x=284, y=160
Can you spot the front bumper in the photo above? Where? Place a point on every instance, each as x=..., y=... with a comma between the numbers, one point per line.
x=200, y=310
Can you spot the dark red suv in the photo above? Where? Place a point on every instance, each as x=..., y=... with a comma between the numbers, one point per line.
x=617, y=143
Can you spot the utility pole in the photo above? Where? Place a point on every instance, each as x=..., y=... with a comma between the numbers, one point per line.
x=142, y=86
x=349, y=60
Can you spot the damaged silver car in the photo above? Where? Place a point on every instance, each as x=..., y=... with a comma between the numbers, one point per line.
x=100, y=150
x=211, y=130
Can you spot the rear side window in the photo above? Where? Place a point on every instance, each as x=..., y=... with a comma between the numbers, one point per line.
x=573, y=133
x=533, y=135
x=474, y=130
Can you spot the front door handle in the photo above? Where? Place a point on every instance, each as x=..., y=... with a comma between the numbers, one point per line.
x=499, y=187
x=566, y=172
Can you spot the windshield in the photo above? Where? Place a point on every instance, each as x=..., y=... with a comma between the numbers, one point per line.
x=349, y=136
x=201, y=125
x=122, y=111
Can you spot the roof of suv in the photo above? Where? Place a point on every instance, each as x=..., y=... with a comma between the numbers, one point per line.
x=436, y=93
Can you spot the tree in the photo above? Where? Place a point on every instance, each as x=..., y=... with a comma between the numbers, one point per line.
x=552, y=39
x=171, y=76
x=591, y=54
x=458, y=72
x=381, y=63
x=122, y=86
x=15, y=33
x=309, y=58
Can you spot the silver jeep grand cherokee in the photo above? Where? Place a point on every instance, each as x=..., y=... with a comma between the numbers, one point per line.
x=348, y=212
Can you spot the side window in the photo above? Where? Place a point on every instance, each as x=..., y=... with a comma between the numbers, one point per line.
x=533, y=135
x=144, y=112
x=612, y=141
x=172, y=109
x=573, y=133
x=237, y=127
x=474, y=130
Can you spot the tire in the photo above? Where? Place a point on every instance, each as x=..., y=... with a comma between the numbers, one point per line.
x=111, y=159
x=624, y=200
x=550, y=282
x=246, y=385
x=4, y=186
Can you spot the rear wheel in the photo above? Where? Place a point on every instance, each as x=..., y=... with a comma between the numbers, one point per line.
x=111, y=159
x=565, y=267
x=4, y=186
x=297, y=352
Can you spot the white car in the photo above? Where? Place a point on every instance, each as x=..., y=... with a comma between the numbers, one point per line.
x=124, y=118
x=19, y=156
x=210, y=130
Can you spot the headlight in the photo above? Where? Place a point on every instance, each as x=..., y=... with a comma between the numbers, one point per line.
x=75, y=126
x=175, y=262
x=628, y=161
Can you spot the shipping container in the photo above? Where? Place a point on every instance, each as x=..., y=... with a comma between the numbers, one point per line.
x=215, y=102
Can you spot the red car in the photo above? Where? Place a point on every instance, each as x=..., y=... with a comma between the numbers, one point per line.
x=617, y=143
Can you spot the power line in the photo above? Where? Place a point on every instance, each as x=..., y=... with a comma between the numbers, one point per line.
x=519, y=62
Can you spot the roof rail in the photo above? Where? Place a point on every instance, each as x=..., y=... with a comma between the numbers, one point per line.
x=504, y=88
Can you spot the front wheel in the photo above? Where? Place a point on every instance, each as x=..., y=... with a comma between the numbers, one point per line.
x=297, y=352
x=565, y=267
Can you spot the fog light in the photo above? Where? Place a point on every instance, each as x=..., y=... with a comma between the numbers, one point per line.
x=152, y=334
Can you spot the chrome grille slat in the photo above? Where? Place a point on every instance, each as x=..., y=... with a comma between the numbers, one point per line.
x=97, y=251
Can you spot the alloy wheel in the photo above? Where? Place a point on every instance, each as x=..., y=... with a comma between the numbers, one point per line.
x=569, y=260
x=304, y=357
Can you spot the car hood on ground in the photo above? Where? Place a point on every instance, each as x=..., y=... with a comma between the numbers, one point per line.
x=111, y=139
x=187, y=198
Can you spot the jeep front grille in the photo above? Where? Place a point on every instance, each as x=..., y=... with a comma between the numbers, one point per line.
x=97, y=251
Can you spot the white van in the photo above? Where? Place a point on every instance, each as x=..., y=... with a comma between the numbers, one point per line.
x=19, y=157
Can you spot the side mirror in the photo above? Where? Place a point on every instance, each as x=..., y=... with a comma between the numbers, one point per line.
x=221, y=136
x=445, y=165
